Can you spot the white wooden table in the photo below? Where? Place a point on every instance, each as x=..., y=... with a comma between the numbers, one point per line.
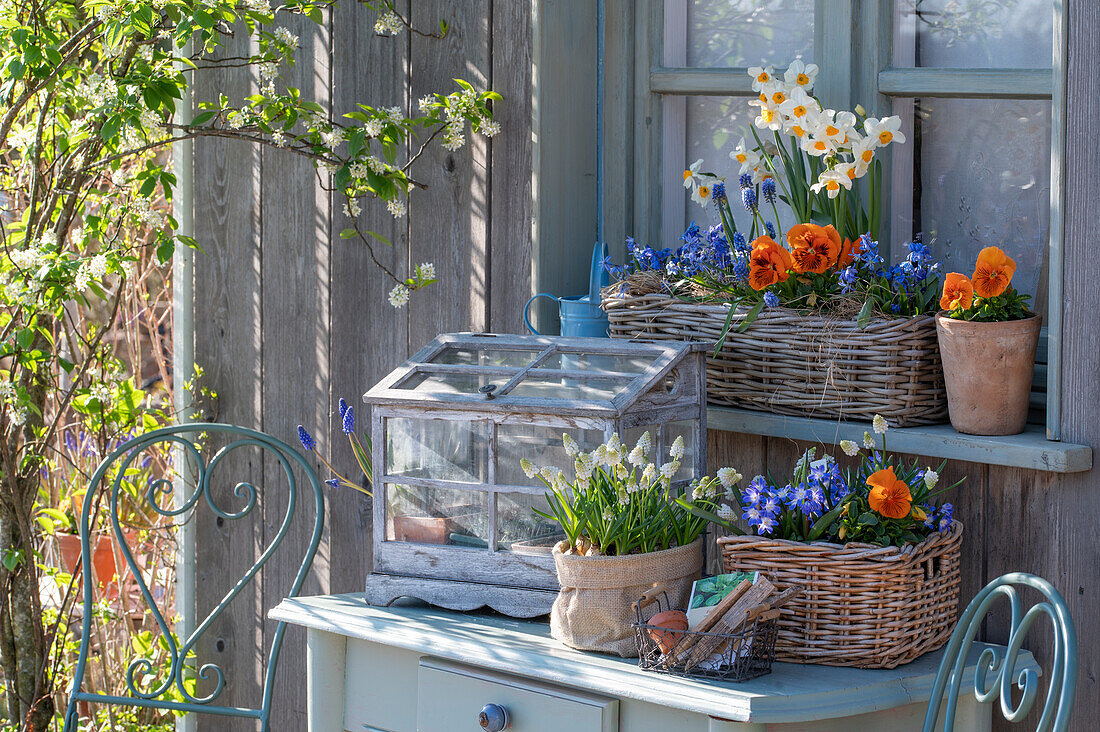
x=401, y=669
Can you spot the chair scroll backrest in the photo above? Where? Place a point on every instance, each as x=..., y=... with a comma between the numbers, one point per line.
x=188, y=462
x=996, y=673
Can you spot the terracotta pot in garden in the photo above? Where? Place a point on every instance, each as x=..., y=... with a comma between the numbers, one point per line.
x=988, y=368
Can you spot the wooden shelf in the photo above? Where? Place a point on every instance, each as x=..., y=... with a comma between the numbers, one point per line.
x=1031, y=449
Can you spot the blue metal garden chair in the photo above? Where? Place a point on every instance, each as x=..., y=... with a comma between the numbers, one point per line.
x=996, y=672
x=182, y=439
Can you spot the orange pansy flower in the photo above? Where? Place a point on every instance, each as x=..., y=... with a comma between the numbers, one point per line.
x=889, y=496
x=993, y=272
x=769, y=263
x=847, y=253
x=813, y=248
x=958, y=292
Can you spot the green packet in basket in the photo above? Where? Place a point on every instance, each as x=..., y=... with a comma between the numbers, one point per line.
x=709, y=591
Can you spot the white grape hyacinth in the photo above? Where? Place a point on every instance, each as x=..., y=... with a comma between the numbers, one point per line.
x=729, y=477
x=931, y=478
x=850, y=448
x=878, y=424
x=677, y=449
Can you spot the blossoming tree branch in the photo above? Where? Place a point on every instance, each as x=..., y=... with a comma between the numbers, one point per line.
x=89, y=96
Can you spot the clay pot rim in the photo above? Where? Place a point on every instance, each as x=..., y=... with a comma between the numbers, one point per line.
x=1005, y=324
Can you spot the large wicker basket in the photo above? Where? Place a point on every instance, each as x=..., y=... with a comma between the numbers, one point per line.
x=863, y=605
x=788, y=363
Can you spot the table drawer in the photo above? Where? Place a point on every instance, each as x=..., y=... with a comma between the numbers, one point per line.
x=450, y=697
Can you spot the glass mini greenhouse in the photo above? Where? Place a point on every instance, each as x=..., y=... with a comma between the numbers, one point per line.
x=454, y=523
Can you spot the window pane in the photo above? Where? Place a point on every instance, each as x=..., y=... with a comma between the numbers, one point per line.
x=437, y=449
x=597, y=362
x=520, y=529
x=542, y=446
x=980, y=176
x=686, y=430
x=450, y=383
x=974, y=33
x=429, y=515
x=724, y=33
x=714, y=125
x=485, y=356
x=556, y=387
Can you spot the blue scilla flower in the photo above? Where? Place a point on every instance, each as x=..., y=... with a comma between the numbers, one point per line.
x=768, y=189
x=771, y=505
x=716, y=234
x=748, y=197
x=759, y=484
x=745, y=180
x=740, y=244
x=766, y=525
x=752, y=514
x=305, y=438
x=718, y=192
x=947, y=513
x=332, y=483
x=784, y=494
x=770, y=228
x=929, y=515
x=753, y=493
x=868, y=250
x=771, y=300
x=348, y=422
x=820, y=475
x=799, y=496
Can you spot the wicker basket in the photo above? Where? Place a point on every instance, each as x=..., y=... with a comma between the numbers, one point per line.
x=788, y=363
x=862, y=605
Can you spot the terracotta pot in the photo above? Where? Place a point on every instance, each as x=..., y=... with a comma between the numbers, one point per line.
x=107, y=559
x=988, y=368
x=670, y=626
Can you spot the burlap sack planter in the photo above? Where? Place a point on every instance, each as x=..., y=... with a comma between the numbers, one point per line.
x=593, y=610
x=862, y=605
x=801, y=365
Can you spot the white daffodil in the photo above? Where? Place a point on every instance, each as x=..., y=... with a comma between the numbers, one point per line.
x=846, y=123
x=850, y=171
x=769, y=118
x=702, y=193
x=800, y=107
x=831, y=181
x=761, y=76
x=776, y=93
x=692, y=176
x=863, y=152
x=800, y=74
x=818, y=144
x=728, y=477
x=748, y=158
x=831, y=128
x=885, y=131
x=930, y=477
x=878, y=424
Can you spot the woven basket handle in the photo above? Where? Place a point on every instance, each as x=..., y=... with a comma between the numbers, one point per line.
x=647, y=599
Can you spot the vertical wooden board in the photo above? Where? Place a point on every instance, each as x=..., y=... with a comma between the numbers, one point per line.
x=1071, y=506
x=229, y=346
x=296, y=332
x=510, y=169
x=743, y=453
x=618, y=126
x=369, y=337
x=448, y=222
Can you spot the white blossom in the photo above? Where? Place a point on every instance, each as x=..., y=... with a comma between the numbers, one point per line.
x=388, y=24
x=490, y=128
x=728, y=477
x=352, y=208
x=572, y=449
x=636, y=456
x=377, y=165
x=645, y=443
x=427, y=270
x=7, y=390
x=425, y=103
x=18, y=415
x=373, y=127
x=98, y=266
x=868, y=441
x=931, y=477
x=677, y=449
x=649, y=474
x=396, y=207
x=394, y=115
x=878, y=424
x=670, y=469
x=583, y=466
x=285, y=37
x=399, y=296
x=528, y=469
x=850, y=448
x=101, y=393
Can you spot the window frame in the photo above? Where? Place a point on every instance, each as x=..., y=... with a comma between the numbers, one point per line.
x=857, y=37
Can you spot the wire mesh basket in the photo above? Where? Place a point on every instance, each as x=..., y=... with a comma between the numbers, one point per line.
x=739, y=656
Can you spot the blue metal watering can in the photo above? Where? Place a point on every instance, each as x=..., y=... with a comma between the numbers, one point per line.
x=580, y=315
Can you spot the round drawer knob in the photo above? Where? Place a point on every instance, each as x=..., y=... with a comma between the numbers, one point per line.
x=493, y=718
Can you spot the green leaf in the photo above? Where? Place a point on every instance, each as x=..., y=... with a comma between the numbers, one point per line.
x=824, y=523
x=864, y=314
x=751, y=316
x=868, y=519
x=165, y=250
x=726, y=327
x=348, y=234
x=203, y=118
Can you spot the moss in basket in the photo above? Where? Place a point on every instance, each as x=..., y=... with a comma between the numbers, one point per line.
x=619, y=502
x=880, y=500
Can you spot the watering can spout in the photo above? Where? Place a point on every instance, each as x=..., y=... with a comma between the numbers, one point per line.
x=581, y=315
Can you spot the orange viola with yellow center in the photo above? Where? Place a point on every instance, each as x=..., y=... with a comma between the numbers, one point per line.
x=768, y=263
x=958, y=292
x=993, y=272
x=889, y=494
x=814, y=248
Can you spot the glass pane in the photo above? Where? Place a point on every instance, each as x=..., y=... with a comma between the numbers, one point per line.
x=597, y=362
x=685, y=429
x=974, y=33
x=520, y=529
x=485, y=356
x=557, y=387
x=449, y=383
x=429, y=515
x=541, y=445
x=980, y=176
x=724, y=33
x=437, y=449
x=714, y=125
